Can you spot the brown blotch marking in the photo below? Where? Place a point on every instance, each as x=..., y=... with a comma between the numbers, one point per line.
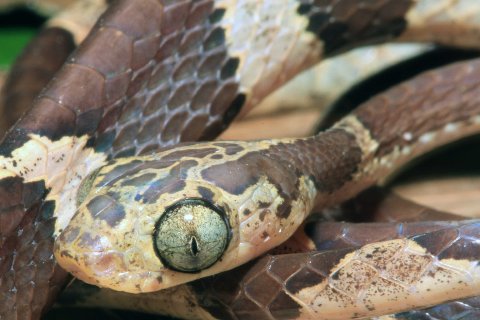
x=205, y=193
x=91, y=243
x=192, y=153
x=69, y=235
x=342, y=25
x=247, y=211
x=173, y=182
x=263, y=214
x=118, y=172
x=224, y=207
x=105, y=207
x=236, y=176
x=462, y=249
x=262, y=204
x=329, y=159
x=324, y=262
x=106, y=262
x=230, y=148
x=304, y=278
x=140, y=180
x=217, y=156
x=233, y=109
x=452, y=242
x=466, y=246
x=436, y=242
x=65, y=253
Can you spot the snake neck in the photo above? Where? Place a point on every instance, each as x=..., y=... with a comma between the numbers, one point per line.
x=386, y=132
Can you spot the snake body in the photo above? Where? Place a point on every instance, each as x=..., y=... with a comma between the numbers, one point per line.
x=235, y=294
x=105, y=257
x=184, y=65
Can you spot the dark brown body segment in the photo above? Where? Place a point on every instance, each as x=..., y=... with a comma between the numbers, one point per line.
x=32, y=70
x=148, y=72
x=345, y=24
x=30, y=278
x=329, y=160
x=424, y=104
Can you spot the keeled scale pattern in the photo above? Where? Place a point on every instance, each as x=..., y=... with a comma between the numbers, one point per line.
x=175, y=82
x=29, y=276
x=258, y=290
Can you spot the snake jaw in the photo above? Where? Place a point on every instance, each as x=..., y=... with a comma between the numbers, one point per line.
x=110, y=241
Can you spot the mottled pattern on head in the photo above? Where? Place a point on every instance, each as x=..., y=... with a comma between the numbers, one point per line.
x=129, y=196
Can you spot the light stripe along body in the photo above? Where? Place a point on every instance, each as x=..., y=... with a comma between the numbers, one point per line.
x=236, y=294
x=153, y=73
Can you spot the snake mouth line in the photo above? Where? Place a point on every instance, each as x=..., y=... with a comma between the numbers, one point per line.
x=152, y=74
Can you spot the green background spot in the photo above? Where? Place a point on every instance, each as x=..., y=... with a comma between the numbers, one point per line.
x=12, y=41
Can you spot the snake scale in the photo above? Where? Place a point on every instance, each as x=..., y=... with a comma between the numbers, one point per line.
x=155, y=73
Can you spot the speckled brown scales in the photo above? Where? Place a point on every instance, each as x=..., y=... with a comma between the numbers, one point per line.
x=260, y=293
x=108, y=89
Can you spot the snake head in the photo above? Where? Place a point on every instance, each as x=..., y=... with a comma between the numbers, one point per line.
x=148, y=223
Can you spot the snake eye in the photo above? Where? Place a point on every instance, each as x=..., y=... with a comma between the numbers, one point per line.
x=191, y=235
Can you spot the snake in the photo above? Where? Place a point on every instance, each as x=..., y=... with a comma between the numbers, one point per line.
x=74, y=147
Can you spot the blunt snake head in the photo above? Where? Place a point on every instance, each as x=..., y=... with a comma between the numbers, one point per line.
x=147, y=223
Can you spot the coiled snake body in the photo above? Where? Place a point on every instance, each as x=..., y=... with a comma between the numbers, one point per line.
x=154, y=73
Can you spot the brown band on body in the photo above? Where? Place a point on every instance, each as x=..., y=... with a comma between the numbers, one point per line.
x=27, y=266
x=145, y=77
x=461, y=243
x=248, y=169
x=32, y=70
x=329, y=160
x=345, y=24
x=425, y=104
x=182, y=83
x=335, y=235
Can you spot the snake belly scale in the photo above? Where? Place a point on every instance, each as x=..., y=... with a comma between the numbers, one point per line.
x=189, y=66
